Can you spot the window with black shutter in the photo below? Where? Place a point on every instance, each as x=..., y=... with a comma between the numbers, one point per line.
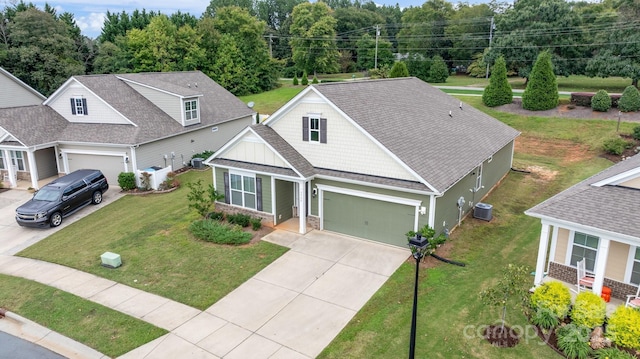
x=79, y=106
x=314, y=129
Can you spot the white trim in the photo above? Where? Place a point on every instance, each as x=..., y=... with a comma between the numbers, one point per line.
x=33, y=169
x=14, y=138
x=244, y=175
x=375, y=185
x=432, y=211
x=370, y=195
x=156, y=88
x=275, y=175
x=630, y=262
x=554, y=243
x=569, y=253
x=619, y=178
x=19, y=82
x=66, y=152
x=273, y=200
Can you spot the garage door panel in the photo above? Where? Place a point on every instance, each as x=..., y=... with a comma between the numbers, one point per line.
x=377, y=220
x=111, y=166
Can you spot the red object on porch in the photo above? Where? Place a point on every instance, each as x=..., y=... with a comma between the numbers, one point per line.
x=606, y=294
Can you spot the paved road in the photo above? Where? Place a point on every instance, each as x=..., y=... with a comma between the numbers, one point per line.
x=16, y=348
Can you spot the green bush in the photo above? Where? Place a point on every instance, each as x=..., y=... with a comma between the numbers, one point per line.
x=573, y=340
x=589, y=310
x=615, y=146
x=630, y=100
x=305, y=78
x=438, y=72
x=127, y=181
x=240, y=219
x=623, y=327
x=295, y=81
x=256, y=223
x=315, y=80
x=220, y=233
x=601, y=101
x=499, y=90
x=203, y=155
x=612, y=353
x=399, y=69
x=545, y=318
x=552, y=296
x=636, y=133
x=216, y=216
x=542, y=88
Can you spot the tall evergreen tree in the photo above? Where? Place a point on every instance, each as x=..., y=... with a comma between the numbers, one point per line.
x=542, y=88
x=399, y=69
x=499, y=90
x=438, y=72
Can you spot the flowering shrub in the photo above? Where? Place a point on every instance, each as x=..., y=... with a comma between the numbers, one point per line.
x=553, y=296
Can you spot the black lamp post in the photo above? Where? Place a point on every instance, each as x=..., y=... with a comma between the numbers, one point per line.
x=418, y=246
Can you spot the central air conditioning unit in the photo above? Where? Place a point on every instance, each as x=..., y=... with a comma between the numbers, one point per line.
x=197, y=162
x=482, y=211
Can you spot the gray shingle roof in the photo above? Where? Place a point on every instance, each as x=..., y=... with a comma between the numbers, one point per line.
x=609, y=208
x=285, y=149
x=411, y=119
x=254, y=167
x=35, y=125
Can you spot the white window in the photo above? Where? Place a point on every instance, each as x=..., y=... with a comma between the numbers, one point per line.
x=584, y=246
x=635, y=269
x=479, y=178
x=79, y=106
x=314, y=129
x=191, y=110
x=2, y=165
x=243, y=190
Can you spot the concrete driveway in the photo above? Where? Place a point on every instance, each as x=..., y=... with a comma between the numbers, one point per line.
x=14, y=238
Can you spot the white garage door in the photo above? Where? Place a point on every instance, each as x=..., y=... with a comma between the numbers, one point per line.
x=111, y=166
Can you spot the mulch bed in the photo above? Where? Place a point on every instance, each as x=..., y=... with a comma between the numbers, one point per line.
x=503, y=337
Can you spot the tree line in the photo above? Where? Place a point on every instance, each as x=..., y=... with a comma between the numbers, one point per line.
x=246, y=44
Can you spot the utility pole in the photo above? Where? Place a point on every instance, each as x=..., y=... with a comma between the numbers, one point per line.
x=377, y=36
x=490, y=39
x=271, y=45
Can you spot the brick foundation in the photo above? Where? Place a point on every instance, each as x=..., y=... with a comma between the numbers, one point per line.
x=569, y=274
x=313, y=222
x=266, y=217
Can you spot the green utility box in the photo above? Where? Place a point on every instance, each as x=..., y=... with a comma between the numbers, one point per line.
x=111, y=260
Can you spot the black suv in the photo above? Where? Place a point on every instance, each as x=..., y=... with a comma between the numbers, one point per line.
x=62, y=197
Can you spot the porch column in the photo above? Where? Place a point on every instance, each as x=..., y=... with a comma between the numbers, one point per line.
x=543, y=246
x=10, y=168
x=302, y=207
x=601, y=264
x=33, y=169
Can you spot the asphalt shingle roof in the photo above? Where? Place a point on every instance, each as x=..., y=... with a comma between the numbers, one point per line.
x=285, y=149
x=610, y=208
x=411, y=119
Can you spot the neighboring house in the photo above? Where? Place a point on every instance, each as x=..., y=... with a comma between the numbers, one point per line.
x=371, y=159
x=597, y=219
x=15, y=93
x=119, y=123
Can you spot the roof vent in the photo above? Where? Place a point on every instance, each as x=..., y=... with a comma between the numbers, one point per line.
x=450, y=115
x=482, y=211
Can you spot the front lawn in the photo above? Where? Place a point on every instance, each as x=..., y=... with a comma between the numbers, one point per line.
x=159, y=254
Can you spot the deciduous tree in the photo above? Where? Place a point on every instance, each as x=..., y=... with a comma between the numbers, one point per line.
x=313, y=41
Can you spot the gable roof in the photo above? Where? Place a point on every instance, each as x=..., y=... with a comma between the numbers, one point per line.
x=29, y=89
x=608, y=208
x=411, y=119
x=149, y=122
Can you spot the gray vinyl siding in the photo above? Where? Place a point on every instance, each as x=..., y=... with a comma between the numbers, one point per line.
x=13, y=94
x=266, y=187
x=46, y=163
x=284, y=200
x=171, y=104
x=184, y=146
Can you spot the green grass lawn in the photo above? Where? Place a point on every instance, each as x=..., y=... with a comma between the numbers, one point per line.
x=268, y=102
x=105, y=330
x=572, y=83
x=159, y=254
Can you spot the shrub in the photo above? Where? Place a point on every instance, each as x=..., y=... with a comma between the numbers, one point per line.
x=573, y=340
x=545, y=318
x=438, y=72
x=589, y=310
x=256, y=223
x=581, y=98
x=601, y=101
x=240, y=219
x=216, y=216
x=542, y=88
x=630, y=99
x=202, y=199
x=315, y=80
x=127, y=181
x=624, y=327
x=305, y=78
x=171, y=180
x=612, y=353
x=145, y=181
x=399, y=69
x=553, y=296
x=615, y=146
x=203, y=154
x=295, y=81
x=499, y=91
x=636, y=133
x=220, y=233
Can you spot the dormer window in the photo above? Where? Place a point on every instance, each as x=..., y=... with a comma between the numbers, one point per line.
x=79, y=106
x=191, y=110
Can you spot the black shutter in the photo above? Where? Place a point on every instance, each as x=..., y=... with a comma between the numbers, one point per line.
x=259, y=194
x=84, y=106
x=305, y=128
x=73, y=106
x=227, y=192
x=323, y=130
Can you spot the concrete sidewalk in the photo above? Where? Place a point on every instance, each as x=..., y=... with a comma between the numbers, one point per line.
x=291, y=309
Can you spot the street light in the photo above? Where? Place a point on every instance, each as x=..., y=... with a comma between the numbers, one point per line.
x=418, y=246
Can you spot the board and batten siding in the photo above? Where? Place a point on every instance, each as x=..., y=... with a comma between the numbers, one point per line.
x=284, y=200
x=13, y=94
x=218, y=172
x=98, y=111
x=251, y=149
x=204, y=139
x=347, y=148
x=170, y=104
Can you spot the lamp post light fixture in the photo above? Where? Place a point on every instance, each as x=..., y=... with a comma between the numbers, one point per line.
x=418, y=246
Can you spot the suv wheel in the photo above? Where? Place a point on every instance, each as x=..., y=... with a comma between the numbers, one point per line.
x=56, y=219
x=97, y=197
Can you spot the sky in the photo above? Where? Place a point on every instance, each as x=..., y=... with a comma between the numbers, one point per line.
x=90, y=15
